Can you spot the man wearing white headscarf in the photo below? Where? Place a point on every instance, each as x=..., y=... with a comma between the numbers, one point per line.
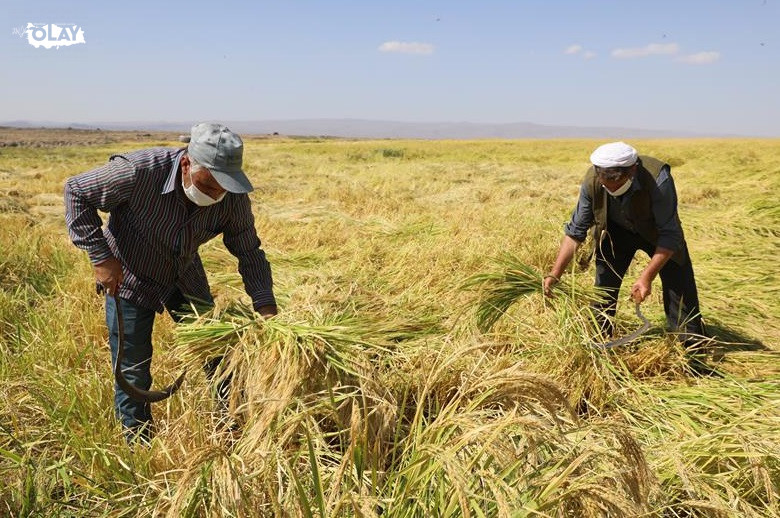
x=631, y=203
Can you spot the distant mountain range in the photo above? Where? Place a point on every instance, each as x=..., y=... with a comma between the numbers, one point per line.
x=357, y=128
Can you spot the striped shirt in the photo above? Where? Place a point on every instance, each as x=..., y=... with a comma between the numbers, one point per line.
x=155, y=231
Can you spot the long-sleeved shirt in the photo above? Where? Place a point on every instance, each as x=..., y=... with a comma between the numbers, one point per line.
x=154, y=231
x=664, y=206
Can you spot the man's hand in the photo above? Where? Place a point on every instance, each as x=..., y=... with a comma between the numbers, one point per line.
x=548, y=282
x=267, y=311
x=109, y=275
x=641, y=289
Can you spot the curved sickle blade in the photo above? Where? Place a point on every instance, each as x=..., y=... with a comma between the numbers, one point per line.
x=138, y=394
x=629, y=337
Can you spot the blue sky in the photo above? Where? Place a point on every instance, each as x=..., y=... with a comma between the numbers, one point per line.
x=706, y=66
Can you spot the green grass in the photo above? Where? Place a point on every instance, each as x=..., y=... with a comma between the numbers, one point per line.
x=415, y=368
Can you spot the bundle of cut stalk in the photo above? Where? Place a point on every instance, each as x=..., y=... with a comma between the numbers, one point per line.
x=287, y=362
x=592, y=376
x=514, y=279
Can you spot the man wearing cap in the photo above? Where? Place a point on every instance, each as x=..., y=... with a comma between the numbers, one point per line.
x=631, y=203
x=163, y=204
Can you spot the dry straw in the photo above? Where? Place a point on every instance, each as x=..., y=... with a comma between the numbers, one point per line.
x=408, y=373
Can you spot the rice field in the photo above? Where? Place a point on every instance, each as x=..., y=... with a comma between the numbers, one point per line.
x=415, y=369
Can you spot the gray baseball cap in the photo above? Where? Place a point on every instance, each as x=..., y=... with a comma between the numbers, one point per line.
x=220, y=151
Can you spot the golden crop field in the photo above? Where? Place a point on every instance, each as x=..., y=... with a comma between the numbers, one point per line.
x=374, y=391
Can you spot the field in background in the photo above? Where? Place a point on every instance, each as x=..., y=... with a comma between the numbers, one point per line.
x=374, y=392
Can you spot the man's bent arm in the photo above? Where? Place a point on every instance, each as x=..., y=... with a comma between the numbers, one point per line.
x=101, y=189
x=240, y=238
x=660, y=257
x=664, y=204
x=575, y=233
x=566, y=252
x=642, y=287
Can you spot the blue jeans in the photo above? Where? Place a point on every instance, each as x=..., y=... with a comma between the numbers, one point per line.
x=136, y=417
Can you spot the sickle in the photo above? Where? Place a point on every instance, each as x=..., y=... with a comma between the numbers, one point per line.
x=138, y=394
x=629, y=337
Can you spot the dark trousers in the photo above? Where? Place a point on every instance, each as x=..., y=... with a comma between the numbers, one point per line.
x=681, y=300
x=136, y=417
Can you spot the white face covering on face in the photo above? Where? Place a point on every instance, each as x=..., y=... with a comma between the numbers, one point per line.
x=198, y=197
x=620, y=190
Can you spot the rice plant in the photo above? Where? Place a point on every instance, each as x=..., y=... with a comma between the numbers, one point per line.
x=408, y=373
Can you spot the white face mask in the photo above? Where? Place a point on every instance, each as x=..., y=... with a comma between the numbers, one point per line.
x=623, y=189
x=198, y=197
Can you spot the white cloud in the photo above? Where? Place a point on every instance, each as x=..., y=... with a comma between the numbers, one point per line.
x=578, y=50
x=700, y=58
x=648, y=50
x=406, y=47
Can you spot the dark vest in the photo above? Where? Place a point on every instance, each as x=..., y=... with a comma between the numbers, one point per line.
x=641, y=210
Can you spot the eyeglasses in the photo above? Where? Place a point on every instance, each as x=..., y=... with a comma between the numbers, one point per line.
x=613, y=173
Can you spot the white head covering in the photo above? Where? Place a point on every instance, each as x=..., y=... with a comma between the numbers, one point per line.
x=614, y=154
